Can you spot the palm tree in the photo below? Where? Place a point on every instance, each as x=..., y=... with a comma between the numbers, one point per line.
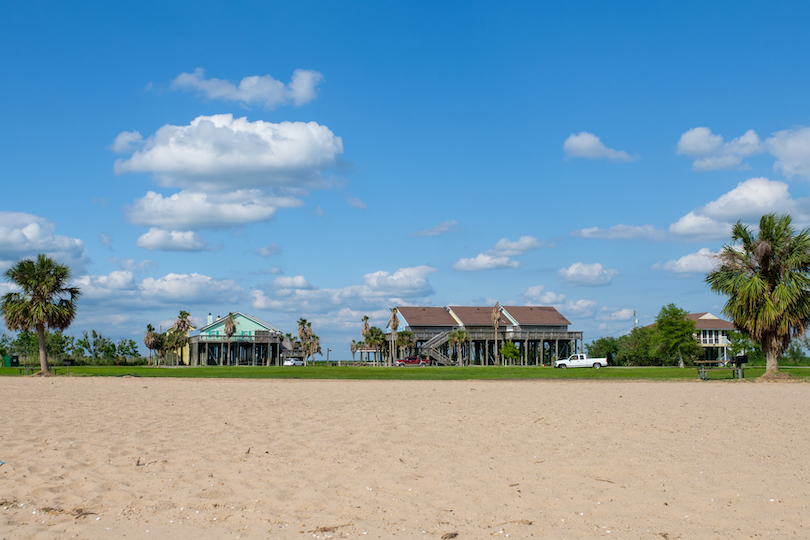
x=149, y=340
x=181, y=328
x=376, y=339
x=767, y=279
x=364, y=331
x=354, y=346
x=459, y=338
x=45, y=299
x=394, y=326
x=405, y=340
x=230, y=330
x=496, y=322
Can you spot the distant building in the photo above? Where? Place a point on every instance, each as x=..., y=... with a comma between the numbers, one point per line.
x=540, y=333
x=712, y=335
x=255, y=343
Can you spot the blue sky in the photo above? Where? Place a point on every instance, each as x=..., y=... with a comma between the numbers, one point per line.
x=331, y=160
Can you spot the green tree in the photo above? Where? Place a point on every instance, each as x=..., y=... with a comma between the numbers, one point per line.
x=766, y=277
x=376, y=339
x=604, y=347
x=510, y=351
x=636, y=348
x=180, y=330
x=25, y=344
x=673, y=339
x=457, y=339
x=45, y=300
x=406, y=341
x=150, y=340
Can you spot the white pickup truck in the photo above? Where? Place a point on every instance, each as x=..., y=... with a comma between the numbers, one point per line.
x=580, y=360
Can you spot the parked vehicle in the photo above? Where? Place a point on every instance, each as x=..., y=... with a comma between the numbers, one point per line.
x=580, y=360
x=293, y=362
x=412, y=361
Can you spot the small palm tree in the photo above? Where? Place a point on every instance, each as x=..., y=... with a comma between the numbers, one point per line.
x=354, y=346
x=394, y=326
x=45, y=299
x=181, y=328
x=459, y=338
x=149, y=340
x=767, y=279
x=405, y=341
x=230, y=330
x=496, y=322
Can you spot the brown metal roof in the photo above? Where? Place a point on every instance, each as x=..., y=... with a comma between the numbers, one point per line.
x=537, y=316
x=709, y=323
x=477, y=316
x=427, y=316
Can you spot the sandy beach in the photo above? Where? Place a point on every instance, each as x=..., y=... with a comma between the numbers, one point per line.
x=104, y=458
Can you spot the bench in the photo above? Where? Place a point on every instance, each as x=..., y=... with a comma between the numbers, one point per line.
x=706, y=366
x=28, y=369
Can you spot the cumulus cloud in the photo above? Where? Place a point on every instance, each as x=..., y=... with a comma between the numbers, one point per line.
x=499, y=256
x=591, y=275
x=791, y=148
x=269, y=250
x=747, y=202
x=710, y=152
x=613, y=314
x=195, y=210
x=581, y=308
x=161, y=240
x=622, y=232
x=291, y=282
x=120, y=288
x=262, y=90
x=354, y=202
x=442, y=228
x=26, y=235
x=694, y=263
x=223, y=153
x=587, y=145
x=127, y=141
x=537, y=295
x=377, y=290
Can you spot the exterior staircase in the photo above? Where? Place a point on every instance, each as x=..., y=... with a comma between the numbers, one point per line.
x=430, y=348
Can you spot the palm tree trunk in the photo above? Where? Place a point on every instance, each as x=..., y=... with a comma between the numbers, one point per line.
x=770, y=347
x=43, y=358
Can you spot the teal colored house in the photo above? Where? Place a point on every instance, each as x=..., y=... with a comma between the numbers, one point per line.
x=254, y=343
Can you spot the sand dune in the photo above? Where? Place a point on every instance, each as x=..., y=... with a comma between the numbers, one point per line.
x=95, y=458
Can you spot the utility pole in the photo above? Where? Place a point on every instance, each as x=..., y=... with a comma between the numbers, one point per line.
x=635, y=321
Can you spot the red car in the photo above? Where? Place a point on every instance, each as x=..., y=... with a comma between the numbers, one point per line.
x=412, y=361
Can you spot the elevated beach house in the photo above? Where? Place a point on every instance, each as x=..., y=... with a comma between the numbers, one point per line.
x=712, y=335
x=540, y=333
x=254, y=343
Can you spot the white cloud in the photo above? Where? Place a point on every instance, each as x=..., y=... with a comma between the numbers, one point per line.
x=587, y=145
x=105, y=240
x=537, y=295
x=711, y=153
x=26, y=235
x=291, y=282
x=268, y=250
x=119, y=288
x=127, y=141
x=378, y=290
x=612, y=314
x=791, y=148
x=694, y=263
x=221, y=153
x=264, y=90
x=590, y=275
x=442, y=228
x=484, y=261
x=161, y=240
x=499, y=256
x=354, y=202
x=190, y=288
x=132, y=265
x=622, y=232
x=194, y=210
x=581, y=308
x=747, y=202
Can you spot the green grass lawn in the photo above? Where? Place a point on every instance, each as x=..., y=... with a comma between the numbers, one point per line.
x=407, y=373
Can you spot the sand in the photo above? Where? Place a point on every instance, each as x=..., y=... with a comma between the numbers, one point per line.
x=109, y=458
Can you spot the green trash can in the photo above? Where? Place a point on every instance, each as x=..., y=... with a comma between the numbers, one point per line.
x=6, y=361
